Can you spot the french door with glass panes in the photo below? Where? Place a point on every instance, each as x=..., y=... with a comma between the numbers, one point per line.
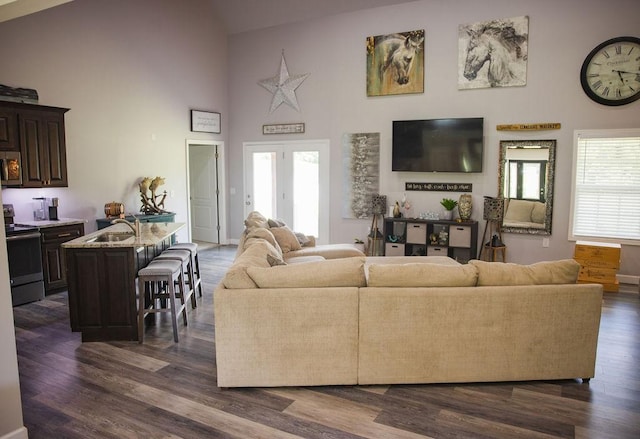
x=290, y=181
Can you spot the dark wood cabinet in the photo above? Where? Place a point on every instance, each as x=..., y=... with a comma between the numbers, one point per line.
x=102, y=288
x=53, y=262
x=43, y=147
x=102, y=299
x=8, y=131
x=38, y=132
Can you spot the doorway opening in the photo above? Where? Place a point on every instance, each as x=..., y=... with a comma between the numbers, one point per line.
x=289, y=180
x=206, y=202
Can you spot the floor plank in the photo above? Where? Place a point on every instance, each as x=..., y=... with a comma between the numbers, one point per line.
x=162, y=389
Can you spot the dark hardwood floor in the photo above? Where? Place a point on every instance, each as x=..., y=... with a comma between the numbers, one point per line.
x=163, y=389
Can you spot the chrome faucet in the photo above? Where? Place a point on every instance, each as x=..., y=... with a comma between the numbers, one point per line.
x=135, y=226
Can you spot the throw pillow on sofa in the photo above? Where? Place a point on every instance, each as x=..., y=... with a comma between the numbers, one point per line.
x=348, y=272
x=286, y=239
x=260, y=233
x=273, y=261
x=256, y=219
x=422, y=275
x=302, y=238
x=541, y=273
x=254, y=255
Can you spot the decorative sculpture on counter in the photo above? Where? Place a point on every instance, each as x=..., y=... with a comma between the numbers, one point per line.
x=149, y=203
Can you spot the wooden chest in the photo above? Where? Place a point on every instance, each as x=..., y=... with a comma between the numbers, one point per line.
x=599, y=263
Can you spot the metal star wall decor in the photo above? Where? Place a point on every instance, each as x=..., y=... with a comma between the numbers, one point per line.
x=283, y=87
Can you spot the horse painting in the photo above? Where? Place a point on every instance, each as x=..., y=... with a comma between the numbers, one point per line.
x=493, y=53
x=395, y=64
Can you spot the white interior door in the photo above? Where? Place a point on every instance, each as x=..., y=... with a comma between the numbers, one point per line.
x=290, y=181
x=204, y=193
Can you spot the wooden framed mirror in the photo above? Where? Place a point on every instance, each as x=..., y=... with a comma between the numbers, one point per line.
x=525, y=180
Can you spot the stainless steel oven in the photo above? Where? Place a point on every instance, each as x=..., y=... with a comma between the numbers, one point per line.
x=25, y=262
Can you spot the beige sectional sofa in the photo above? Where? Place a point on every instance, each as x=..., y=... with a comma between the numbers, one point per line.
x=385, y=320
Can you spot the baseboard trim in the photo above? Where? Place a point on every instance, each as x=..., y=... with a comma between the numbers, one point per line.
x=628, y=279
x=20, y=433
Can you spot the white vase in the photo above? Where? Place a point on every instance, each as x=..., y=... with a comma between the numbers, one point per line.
x=447, y=214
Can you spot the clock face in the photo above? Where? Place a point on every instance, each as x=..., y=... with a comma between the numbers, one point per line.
x=610, y=74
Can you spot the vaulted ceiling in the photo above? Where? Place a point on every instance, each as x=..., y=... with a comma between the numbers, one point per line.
x=247, y=15
x=237, y=15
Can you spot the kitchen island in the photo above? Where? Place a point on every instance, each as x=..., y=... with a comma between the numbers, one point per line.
x=101, y=274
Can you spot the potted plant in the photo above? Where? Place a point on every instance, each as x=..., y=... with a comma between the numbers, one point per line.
x=448, y=205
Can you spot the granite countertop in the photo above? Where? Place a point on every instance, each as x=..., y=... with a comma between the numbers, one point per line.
x=51, y=223
x=150, y=235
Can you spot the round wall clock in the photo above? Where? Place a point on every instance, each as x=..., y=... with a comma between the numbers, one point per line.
x=610, y=74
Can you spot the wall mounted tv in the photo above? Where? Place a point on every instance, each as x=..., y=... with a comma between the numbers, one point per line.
x=438, y=145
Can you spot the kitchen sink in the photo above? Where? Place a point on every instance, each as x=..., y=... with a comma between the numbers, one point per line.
x=111, y=237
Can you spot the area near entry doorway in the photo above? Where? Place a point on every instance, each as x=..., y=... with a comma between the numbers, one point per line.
x=205, y=191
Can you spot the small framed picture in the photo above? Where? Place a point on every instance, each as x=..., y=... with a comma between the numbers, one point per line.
x=205, y=122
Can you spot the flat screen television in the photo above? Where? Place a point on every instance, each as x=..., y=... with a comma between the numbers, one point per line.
x=438, y=145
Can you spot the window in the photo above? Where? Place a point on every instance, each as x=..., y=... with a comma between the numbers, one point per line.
x=606, y=186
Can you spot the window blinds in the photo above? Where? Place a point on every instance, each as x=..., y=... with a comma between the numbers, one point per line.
x=607, y=187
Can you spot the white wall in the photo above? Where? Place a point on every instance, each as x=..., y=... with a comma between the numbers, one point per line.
x=333, y=98
x=130, y=71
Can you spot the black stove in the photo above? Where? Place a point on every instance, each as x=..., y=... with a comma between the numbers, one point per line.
x=12, y=230
x=25, y=260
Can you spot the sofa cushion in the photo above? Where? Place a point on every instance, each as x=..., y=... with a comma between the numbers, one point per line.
x=538, y=213
x=276, y=222
x=302, y=239
x=519, y=211
x=422, y=275
x=256, y=219
x=260, y=233
x=347, y=272
x=304, y=259
x=273, y=261
x=254, y=255
x=327, y=251
x=286, y=239
x=541, y=273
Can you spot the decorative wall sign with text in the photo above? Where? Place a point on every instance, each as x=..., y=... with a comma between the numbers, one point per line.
x=529, y=127
x=438, y=187
x=283, y=128
x=205, y=122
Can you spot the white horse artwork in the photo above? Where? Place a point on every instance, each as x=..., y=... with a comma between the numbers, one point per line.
x=395, y=63
x=493, y=53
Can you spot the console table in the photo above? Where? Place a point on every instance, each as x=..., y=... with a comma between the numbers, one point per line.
x=418, y=237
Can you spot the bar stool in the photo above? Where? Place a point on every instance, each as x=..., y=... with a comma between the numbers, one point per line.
x=193, y=248
x=184, y=256
x=156, y=284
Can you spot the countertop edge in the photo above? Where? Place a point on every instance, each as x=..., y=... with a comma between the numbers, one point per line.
x=51, y=223
x=151, y=234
